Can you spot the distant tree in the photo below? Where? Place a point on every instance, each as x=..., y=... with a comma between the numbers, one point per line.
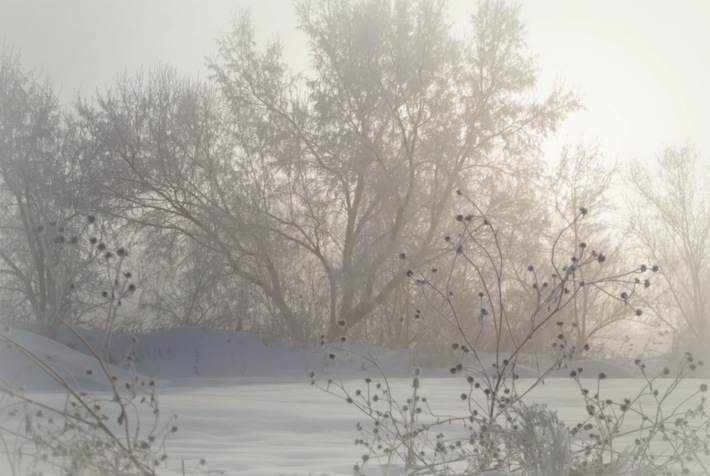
x=40, y=186
x=310, y=185
x=167, y=168
x=670, y=215
x=582, y=179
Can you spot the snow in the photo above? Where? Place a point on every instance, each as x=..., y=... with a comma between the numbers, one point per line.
x=245, y=404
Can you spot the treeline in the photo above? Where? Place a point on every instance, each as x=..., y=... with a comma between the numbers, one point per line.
x=268, y=200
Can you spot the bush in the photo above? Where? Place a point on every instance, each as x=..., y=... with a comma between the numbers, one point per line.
x=118, y=431
x=667, y=435
x=501, y=431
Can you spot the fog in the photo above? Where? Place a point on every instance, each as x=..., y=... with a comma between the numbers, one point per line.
x=486, y=191
x=527, y=182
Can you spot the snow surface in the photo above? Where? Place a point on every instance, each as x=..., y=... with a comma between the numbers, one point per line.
x=245, y=404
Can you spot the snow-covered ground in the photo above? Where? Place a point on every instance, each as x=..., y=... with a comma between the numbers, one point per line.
x=245, y=404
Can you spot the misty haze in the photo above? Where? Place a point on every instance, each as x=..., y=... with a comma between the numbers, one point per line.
x=370, y=237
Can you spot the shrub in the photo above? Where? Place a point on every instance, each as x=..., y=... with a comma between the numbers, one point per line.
x=499, y=430
x=667, y=435
x=119, y=431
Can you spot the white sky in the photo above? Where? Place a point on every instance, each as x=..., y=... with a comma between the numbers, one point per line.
x=643, y=66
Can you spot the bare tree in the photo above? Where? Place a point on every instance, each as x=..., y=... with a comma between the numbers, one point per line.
x=395, y=115
x=671, y=218
x=41, y=189
x=168, y=168
x=583, y=178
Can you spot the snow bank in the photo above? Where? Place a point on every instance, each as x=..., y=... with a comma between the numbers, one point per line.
x=79, y=370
